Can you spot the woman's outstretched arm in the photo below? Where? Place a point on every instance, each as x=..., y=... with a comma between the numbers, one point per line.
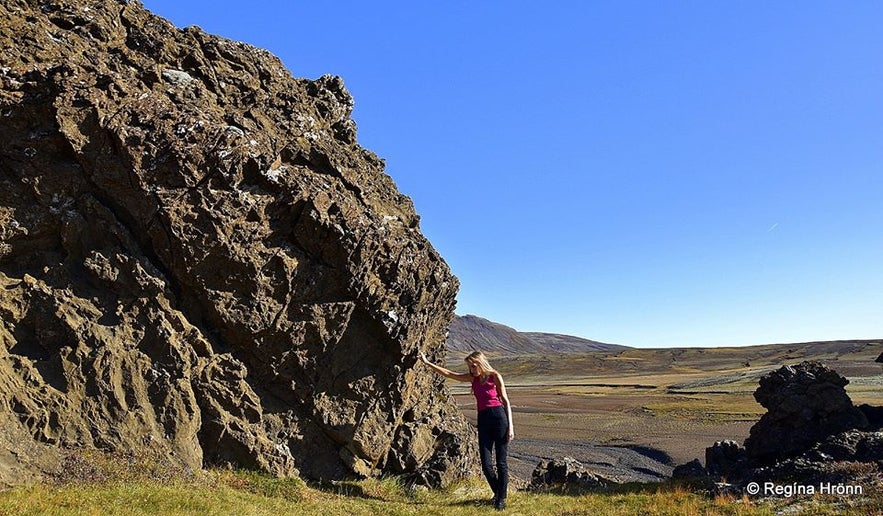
x=447, y=373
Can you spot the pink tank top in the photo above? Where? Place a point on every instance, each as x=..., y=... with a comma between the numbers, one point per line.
x=486, y=393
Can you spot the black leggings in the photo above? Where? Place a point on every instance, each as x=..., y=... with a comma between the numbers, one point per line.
x=493, y=435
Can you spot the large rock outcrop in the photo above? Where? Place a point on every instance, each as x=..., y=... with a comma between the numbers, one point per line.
x=197, y=259
x=811, y=433
x=806, y=403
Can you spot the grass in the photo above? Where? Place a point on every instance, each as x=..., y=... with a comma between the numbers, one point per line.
x=222, y=492
x=706, y=407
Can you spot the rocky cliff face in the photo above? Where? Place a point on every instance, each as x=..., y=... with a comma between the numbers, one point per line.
x=197, y=259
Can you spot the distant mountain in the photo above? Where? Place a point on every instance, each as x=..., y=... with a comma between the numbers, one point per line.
x=469, y=333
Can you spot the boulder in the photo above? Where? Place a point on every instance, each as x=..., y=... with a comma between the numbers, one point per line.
x=198, y=259
x=566, y=474
x=690, y=470
x=806, y=404
x=852, y=445
x=853, y=457
x=873, y=414
x=724, y=457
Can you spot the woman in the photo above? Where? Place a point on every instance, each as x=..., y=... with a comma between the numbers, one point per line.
x=495, y=428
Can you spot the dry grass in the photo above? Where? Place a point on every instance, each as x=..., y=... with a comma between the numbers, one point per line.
x=710, y=408
x=238, y=492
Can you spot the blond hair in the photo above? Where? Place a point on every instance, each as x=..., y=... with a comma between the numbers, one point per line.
x=478, y=358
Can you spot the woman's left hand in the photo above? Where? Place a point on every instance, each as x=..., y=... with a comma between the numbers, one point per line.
x=511, y=433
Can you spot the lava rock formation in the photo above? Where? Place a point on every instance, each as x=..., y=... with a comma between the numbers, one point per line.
x=197, y=259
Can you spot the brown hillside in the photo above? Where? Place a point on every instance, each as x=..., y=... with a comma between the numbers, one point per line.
x=469, y=333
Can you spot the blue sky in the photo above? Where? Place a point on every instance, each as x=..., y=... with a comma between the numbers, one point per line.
x=653, y=174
